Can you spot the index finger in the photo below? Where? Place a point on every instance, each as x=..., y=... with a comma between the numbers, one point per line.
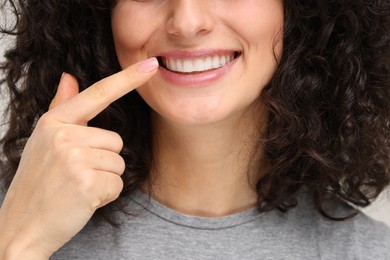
x=89, y=103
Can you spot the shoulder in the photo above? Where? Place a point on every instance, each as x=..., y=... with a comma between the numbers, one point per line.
x=371, y=238
x=359, y=237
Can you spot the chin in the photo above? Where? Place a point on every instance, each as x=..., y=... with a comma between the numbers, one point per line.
x=199, y=117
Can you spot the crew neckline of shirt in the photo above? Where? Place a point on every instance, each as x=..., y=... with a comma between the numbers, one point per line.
x=190, y=221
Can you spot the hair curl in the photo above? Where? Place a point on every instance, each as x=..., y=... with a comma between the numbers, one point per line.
x=328, y=101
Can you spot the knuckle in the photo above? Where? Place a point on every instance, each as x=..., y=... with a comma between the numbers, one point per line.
x=99, y=90
x=44, y=121
x=128, y=75
x=97, y=188
x=121, y=165
x=117, y=141
x=85, y=182
x=61, y=137
x=115, y=189
x=74, y=155
x=111, y=191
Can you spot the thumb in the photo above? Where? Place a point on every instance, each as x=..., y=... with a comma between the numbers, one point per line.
x=67, y=88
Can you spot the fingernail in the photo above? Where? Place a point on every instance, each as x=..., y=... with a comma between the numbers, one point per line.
x=148, y=65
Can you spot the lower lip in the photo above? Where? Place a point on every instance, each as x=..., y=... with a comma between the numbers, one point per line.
x=196, y=79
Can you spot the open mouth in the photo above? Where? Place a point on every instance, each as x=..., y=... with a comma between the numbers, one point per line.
x=198, y=64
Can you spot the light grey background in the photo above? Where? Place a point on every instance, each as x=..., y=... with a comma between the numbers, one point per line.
x=379, y=210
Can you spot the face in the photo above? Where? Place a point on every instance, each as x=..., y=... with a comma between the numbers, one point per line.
x=216, y=55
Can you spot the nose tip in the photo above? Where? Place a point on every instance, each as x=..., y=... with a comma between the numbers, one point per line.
x=189, y=18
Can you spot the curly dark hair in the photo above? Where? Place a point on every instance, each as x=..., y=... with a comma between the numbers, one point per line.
x=328, y=101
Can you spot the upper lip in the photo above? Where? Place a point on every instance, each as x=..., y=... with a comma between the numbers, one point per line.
x=182, y=54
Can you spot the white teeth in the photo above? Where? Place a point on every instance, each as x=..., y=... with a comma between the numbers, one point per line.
x=208, y=63
x=215, y=62
x=198, y=64
x=222, y=60
x=179, y=66
x=187, y=66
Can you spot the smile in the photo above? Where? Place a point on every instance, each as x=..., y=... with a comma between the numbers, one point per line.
x=197, y=64
x=198, y=68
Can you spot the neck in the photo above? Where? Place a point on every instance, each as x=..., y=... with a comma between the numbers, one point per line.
x=204, y=170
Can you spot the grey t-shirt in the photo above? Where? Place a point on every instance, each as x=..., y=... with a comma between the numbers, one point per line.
x=158, y=232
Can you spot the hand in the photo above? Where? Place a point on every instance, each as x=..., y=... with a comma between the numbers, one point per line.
x=67, y=170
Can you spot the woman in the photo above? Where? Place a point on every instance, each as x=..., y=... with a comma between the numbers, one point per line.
x=263, y=120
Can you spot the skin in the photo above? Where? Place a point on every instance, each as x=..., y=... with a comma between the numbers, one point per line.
x=204, y=24
x=68, y=169
x=201, y=164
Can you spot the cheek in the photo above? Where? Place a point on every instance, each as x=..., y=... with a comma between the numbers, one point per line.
x=132, y=30
x=262, y=24
x=261, y=31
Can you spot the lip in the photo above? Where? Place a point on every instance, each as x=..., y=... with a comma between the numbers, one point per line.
x=197, y=79
x=196, y=53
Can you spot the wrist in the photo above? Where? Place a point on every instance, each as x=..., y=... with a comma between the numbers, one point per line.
x=20, y=244
x=17, y=251
x=21, y=248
